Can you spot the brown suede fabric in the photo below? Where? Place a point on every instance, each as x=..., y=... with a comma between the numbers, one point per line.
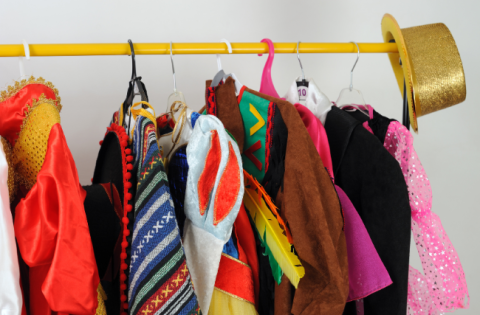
x=311, y=207
x=229, y=112
x=284, y=293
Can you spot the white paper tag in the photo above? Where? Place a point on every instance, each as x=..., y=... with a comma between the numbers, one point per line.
x=302, y=93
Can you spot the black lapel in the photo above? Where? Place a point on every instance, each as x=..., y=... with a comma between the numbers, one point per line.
x=339, y=126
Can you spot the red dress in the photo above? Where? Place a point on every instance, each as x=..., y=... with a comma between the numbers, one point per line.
x=50, y=222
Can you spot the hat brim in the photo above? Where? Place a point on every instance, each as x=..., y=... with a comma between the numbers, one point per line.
x=403, y=72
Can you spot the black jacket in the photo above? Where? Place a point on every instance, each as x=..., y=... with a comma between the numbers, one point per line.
x=374, y=182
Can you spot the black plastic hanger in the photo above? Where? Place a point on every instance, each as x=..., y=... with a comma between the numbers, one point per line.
x=134, y=81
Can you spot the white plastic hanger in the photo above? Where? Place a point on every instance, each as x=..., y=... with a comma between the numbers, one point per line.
x=176, y=96
x=219, y=62
x=348, y=94
x=20, y=60
x=221, y=74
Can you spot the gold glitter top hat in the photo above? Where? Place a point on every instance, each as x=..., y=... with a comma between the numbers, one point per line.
x=431, y=66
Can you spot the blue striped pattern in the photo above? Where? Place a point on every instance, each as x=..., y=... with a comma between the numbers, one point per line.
x=158, y=279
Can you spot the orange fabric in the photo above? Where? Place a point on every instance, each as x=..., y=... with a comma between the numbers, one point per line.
x=209, y=174
x=239, y=277
x=228, y=188
x=247, y=247
x=53, y=236
x=235, y=278
x=13, y=115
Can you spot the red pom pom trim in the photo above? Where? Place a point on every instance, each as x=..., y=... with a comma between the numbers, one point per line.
x=126, y=157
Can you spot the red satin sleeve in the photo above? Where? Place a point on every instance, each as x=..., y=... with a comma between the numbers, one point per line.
x=53, y=236
x=246, y=241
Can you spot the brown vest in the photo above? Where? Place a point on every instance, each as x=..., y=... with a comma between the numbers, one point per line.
x=309, y=203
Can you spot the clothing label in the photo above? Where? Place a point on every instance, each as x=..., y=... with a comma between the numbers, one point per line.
x=302, y=93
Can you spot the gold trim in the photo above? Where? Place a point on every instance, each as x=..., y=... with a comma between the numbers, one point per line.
x=41, y=100
x=12, y=90
x=234, y=259
x=234, y=296
x=22, y=177
x=11, y=183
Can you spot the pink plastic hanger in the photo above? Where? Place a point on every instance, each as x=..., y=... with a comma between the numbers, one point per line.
x=266, y=86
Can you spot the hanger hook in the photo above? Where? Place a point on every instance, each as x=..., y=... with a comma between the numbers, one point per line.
x=300, y=62
x=134, y=66
x=223, y=40
x=351, y=72
x=26, y=49
x=173, y=69
x=229, y=46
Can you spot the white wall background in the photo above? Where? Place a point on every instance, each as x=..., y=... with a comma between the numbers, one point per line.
x=92, y=88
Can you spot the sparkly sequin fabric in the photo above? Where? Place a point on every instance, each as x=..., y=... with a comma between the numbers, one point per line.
x=442, y=287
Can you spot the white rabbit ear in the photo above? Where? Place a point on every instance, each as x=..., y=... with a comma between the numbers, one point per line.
x=228, y=188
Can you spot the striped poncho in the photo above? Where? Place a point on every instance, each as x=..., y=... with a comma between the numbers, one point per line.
x=159, y=281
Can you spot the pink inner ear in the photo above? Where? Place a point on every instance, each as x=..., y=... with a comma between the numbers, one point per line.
x=207, y=178
x=228, y=188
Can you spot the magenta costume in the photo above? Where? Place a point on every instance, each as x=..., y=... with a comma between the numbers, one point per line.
x=366, y=272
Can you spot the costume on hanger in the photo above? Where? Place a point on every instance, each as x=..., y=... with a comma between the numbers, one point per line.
x=315, y=100
x=238, y=264
x=366, y=272
x=234, y=291
x=442, y=286
x=108, y=203
x=173, y=140
x=274, y=141
x=159, y=279
x=372, y=180
x=212, y=201
x=10, y=292
x=50, y=222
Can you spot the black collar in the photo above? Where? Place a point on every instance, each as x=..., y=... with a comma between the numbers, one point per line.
x=339, y=126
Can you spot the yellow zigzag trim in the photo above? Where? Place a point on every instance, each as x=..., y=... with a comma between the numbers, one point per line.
x=259, y=124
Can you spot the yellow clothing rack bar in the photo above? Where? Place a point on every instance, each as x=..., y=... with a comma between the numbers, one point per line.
x=44, y=50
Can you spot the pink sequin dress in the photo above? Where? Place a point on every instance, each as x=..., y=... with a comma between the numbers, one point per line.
x=442, y=286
